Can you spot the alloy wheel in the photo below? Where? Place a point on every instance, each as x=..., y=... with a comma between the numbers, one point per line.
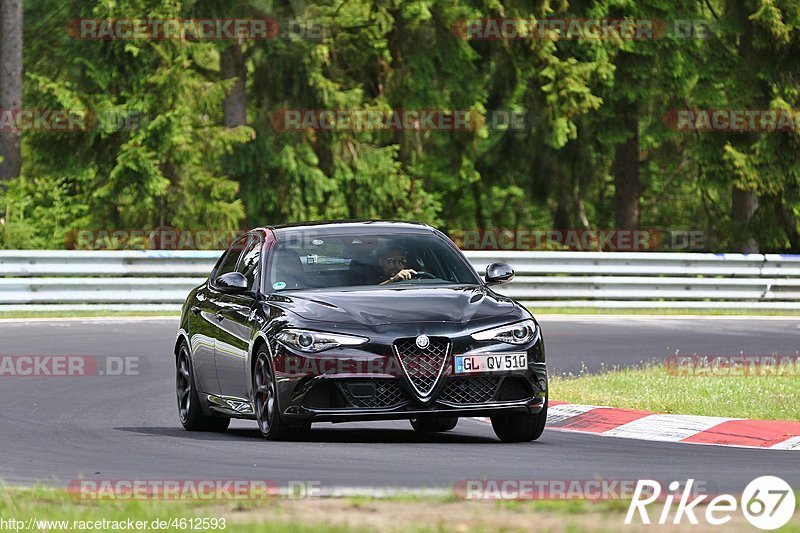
x=264, y=394
x=184, y=384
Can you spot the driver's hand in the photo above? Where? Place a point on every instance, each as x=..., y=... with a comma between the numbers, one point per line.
x=403, y=275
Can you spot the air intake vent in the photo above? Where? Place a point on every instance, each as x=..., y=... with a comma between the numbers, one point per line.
x=383, y=394
x=473, y=390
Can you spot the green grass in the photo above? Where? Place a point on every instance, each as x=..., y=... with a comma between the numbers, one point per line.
x=362, y=514
x=271, y=515
x=653, y=388
x=567, y=507
x=45, y=504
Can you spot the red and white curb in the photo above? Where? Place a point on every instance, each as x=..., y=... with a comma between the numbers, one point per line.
x=644, y=425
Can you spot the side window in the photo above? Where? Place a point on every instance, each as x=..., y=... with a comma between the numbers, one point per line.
x=231, y=257
x=248, y=265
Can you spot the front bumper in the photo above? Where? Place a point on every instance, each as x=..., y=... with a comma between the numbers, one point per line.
x=369, y=384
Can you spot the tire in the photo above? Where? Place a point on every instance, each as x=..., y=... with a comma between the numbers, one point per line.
x=519, y=427
x=189, y=410
x=433, y=424
x=265, y=403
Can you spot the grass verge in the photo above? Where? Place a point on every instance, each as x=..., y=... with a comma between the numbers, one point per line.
x=331, y=515
x=655, y=388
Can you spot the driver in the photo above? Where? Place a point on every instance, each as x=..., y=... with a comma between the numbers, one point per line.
x=393, y=265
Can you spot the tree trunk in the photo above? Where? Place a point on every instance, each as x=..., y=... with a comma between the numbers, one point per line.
x=565, y=209
x=235, y=104
x=743, y=202
x=480, y=217
x=10, y=83
x=627, y=186
x=743, y=205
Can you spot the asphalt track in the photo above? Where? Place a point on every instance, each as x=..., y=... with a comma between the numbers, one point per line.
x=54, y=430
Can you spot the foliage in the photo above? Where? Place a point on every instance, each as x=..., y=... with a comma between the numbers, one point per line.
x=155, y=153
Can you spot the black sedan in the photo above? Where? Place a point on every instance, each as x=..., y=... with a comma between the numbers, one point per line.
x=353, y=321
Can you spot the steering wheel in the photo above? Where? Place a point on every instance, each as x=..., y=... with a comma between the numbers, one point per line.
x=422, y=275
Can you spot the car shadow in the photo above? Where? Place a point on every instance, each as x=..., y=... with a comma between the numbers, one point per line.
x=360, y=435
x=391, y=436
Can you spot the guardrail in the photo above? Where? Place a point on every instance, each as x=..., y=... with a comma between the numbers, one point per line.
x=160, y=280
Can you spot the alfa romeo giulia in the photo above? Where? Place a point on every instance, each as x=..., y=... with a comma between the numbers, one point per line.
x=357, y=321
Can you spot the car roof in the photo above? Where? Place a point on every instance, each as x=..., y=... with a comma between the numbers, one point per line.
x=351, y=227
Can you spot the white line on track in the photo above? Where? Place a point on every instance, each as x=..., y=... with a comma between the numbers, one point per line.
x=89, y=319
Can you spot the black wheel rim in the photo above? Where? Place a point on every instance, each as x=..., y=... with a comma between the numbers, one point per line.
x=183, y=383
x=264, y=394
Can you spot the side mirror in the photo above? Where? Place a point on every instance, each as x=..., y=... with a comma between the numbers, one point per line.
x=499, y=273
x=233, y=282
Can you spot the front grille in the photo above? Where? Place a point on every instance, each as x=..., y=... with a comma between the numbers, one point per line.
x=470, y=390
x=423, y=366
x=386, y=394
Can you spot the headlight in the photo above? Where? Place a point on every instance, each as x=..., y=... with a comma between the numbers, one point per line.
x=316, y=341
x=518, y=333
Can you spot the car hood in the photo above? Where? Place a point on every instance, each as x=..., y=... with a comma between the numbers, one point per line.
x=381, y=306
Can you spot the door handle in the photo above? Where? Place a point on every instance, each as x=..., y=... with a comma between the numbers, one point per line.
x=219, y=316
x=195, y=309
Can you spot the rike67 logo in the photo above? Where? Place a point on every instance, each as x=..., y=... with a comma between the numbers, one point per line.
x=768, y=502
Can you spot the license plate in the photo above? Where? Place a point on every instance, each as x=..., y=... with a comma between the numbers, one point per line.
x=491, y=362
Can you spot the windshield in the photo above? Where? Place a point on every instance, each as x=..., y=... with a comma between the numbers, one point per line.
x=311, y=261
